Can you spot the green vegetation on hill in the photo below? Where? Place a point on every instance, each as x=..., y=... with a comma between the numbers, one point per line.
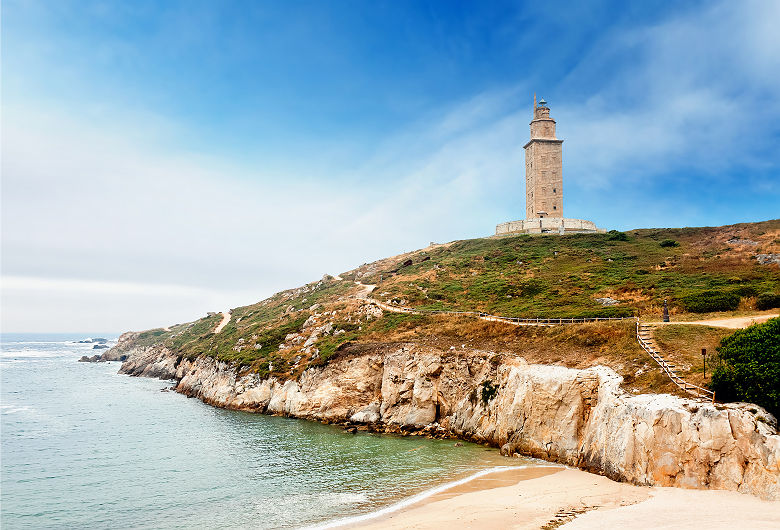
x=525, y=276
x=562, y=276
x=252, y=336
x=681, y=345
x=767, y=301
x=750, y=366
x=710, y=301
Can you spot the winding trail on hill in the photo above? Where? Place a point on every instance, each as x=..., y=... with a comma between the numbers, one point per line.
x=487, y=318
x=643, y=335
x=729, y=323
x=367, y=289
x=223, y=323
x=644, y=332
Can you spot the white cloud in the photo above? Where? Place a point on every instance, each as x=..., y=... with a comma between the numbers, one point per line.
x=92, y=213
x=111, y=227
x=702, y=93
x=49, y=285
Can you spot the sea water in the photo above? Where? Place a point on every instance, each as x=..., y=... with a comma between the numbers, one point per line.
x=86, y=447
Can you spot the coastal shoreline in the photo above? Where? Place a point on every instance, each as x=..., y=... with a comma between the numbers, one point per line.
x=494, y=477
x=576, y=417
x=567, y=498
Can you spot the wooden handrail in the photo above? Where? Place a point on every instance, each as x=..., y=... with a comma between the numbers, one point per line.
x=487, y=316
x=690, y=388
x=681, y=383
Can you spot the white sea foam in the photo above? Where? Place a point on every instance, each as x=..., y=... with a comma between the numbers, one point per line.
x=346, y=498
x=10, y=361
x=411, y=500
x=17, y=342
x=13, y=409
x=28, y=354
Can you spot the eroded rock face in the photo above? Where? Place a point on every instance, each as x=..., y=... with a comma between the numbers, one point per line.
x=126, y=343
x=578, y=417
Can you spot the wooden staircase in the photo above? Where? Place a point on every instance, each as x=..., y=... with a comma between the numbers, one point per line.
x=644, y=335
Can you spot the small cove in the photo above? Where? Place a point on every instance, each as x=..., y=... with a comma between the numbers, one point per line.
x=83, y=446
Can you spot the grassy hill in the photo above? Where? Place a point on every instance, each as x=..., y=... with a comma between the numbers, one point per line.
x=524, y=276
x=554, y=276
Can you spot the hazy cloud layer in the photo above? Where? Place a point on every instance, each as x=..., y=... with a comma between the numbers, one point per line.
x=111, y=222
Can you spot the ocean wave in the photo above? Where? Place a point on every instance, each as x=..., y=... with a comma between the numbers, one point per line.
x=29, y=354
x=13, y=409
x=60, y=342
x=408, y=502
x=346, y=498
x=327, y=499
x=10, y=361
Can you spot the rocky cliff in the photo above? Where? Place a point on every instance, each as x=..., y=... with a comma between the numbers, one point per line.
x=578, y=417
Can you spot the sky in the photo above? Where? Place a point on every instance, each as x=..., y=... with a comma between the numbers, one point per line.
x=165, y=159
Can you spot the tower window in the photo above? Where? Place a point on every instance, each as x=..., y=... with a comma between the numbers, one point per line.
x=555, y=207
x=554, y=190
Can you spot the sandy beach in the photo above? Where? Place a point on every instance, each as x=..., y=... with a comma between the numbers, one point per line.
x=557, y=497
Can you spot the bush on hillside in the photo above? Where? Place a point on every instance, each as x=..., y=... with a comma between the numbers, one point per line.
x=607, y=312
x=489, y=391
x=744, y=291
x=669, y=243
x=709, y=301
x=532, y=287
x=749, y=366
x=767, y=301
x=615, y=235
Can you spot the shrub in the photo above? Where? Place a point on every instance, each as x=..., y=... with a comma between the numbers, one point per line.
x=749, y=367
x=767, y=301
x=744, y=291
x=606, y=312
x=707, y=301
x=489, y=391
x=669, y=243
x=532, y=287
x=614, y=235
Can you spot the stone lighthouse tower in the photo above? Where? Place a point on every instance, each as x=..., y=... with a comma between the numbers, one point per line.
x=543, y=167
x=544, y=183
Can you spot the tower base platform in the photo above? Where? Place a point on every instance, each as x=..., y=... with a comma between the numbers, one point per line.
x=548, y=225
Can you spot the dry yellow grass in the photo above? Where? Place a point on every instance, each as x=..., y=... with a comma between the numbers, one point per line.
x=611, y=344
x=682, y=345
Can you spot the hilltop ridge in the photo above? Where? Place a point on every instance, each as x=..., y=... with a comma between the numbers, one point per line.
x=344, y=350
x=607, y=275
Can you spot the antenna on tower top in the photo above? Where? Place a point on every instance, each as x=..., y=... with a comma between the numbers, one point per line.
x=534, y=101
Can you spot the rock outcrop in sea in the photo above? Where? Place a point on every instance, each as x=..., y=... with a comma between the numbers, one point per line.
x=577, y=417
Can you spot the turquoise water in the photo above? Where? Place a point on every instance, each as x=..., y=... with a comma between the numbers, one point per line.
x=85, y=447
